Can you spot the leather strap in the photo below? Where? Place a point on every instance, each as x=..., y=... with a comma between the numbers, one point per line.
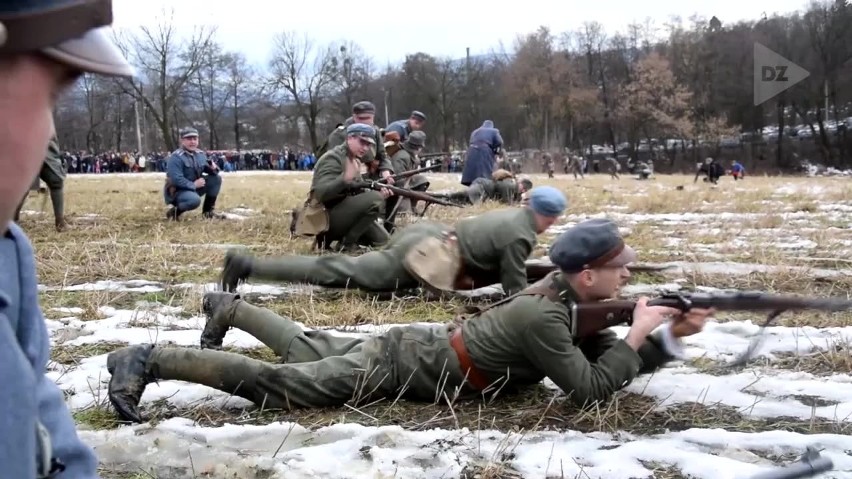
x=475, y=377
x=30, y=31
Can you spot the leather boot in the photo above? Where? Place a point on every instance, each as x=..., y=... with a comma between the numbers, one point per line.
x=236, y=269
x=207, y=208
x=129, y=370
x=216, y=326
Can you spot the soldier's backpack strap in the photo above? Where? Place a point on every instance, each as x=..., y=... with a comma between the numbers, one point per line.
x=544, y=287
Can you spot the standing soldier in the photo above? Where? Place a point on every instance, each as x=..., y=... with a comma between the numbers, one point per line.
x=189, y=176
x=613, y=167
x=415, y=122
x=548, y=164
x=479, y=161
x=45, y=45
x=574, y=164
x=53, y=174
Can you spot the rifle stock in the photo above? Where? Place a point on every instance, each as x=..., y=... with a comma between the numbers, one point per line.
x=590, y=318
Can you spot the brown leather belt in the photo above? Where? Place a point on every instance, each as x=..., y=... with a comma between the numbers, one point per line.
x=474, y=376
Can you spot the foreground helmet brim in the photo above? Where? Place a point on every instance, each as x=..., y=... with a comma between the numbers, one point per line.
x=94, y=52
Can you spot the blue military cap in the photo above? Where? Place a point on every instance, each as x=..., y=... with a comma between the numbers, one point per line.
x=547, y=201
x=71, y=32
x=364, y=131
x=591, y=244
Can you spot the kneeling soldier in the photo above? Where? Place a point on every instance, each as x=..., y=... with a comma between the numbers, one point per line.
x=189, y=176
x=513, y=343
x=335, y=210
x=478, y=252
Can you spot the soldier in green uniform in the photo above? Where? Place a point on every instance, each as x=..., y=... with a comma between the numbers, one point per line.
x=513, y=344
x=507, y=191
x=53, y=174
x=349, y=213
x=405, y=159
x=363, y=112
x=478, y=252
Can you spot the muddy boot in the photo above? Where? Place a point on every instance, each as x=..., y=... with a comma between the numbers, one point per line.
x=130, y=375
x=237, y=268
x=217, y=325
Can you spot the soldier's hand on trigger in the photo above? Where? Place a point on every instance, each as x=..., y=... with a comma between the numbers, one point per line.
x=645, y=320
x=388, y=177
x=199, y=183
x=386, y=193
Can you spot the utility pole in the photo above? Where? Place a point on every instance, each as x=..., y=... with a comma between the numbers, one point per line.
x=138, y=124
x=387, y=117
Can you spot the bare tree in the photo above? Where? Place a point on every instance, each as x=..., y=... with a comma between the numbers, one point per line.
x=354, y=73
x=166, y=62
x=210, y=90
x=305, y=74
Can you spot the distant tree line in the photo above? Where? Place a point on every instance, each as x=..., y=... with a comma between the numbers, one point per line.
x=675, y=92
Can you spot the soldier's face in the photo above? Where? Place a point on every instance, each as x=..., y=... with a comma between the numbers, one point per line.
x=190, y=143
x=29, y=88
x=358, y=146
x=415, y=124
x=603, y=283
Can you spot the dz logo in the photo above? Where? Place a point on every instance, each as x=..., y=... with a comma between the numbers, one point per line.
x=776, y=73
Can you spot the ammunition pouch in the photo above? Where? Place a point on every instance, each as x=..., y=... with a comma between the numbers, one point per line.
x=435, y=261
x=311, y=219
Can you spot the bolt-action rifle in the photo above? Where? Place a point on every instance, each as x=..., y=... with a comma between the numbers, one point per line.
x=403, y=192
x=590, y=318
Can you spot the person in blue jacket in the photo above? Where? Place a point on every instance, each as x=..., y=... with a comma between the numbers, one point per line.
x=44, y=46
x=479, y=161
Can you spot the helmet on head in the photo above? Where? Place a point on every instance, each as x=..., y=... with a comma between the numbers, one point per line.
x=71, y=32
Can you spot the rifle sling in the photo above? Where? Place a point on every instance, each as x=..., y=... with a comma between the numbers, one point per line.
x=543, y=287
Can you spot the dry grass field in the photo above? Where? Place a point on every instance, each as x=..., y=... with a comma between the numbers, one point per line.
x=124, y=275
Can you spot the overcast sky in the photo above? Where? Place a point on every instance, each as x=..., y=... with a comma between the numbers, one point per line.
x=438, y=27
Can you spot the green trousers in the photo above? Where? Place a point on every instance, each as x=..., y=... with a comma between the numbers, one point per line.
x=53, y=176
x=319, y=368
x=353, y=220
x=377, y=271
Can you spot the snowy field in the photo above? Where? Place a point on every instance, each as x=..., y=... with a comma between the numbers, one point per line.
x=125, y=276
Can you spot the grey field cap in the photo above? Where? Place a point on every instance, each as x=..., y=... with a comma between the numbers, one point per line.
x=73, y=32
